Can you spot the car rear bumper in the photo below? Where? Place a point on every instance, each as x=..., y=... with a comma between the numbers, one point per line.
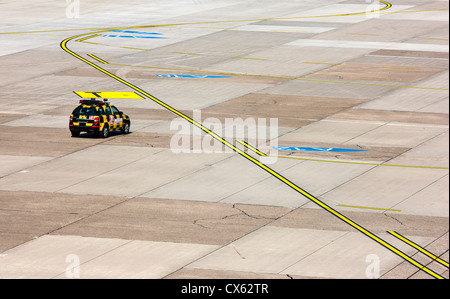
x=84, y=129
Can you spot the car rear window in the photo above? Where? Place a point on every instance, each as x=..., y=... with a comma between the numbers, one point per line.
x=89, y=111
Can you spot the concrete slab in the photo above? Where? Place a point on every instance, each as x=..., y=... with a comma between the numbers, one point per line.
x=284, y=28
x=83, y=165
x=368, y=45
x=314, y=177
x=335, y=132
x=40, y=120
x=186, y=95
x=434, y=197
x=350, y=257
x=12, y=164
x=433, y=153
x=273, y=250
x=94, y=258
x=381, y=30
x=142, y=175
x=407, y=100
x=332, y=88
x=291, y=111
x=398, y=134
x=28, y=215
x=422, y=117
x=369, y=72
x=393, y=186
x=214, y=182
x=267, y=250
x=169, y=220
x=285, y=61
x=342, y=13
x=41, y=142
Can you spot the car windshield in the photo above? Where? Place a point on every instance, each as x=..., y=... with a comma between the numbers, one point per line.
x=89, y=111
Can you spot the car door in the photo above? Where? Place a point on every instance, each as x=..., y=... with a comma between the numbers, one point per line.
x=110, y=116
x=118, y=119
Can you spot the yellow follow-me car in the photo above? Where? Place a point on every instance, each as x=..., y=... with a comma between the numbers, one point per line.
x=98, y=116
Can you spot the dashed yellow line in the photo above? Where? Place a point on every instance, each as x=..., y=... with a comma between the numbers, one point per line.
x=360, y=163
x=401, y=68
x=434, y=38
x=139, y=49
x=368, y=34
x=370, y=208
x=183, y=53
x=310, y=62
x=251, y=58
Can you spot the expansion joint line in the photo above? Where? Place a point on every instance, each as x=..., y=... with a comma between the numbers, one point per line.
x=243, y=153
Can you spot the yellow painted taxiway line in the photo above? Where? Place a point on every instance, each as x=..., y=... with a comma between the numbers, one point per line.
x=421, y=249
x=370, y=208
x=96, y=58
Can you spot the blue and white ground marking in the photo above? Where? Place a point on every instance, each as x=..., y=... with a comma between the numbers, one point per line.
x=318, y=149
x=141, y=34
x=132, y=36
x=191, y=76
x=136, y=32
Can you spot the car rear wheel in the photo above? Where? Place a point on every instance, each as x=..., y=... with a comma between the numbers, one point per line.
x=75, y=134
x=105, y=132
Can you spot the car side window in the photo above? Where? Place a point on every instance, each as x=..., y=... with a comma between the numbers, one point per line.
x=108, y=110
x=115, y=110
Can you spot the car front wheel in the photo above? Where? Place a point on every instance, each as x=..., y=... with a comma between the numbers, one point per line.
x=126, y=128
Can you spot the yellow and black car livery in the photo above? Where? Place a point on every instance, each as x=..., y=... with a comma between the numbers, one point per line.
x=99, y=117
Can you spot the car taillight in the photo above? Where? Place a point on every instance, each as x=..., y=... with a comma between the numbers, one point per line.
x=96, y=121
x=71, y=120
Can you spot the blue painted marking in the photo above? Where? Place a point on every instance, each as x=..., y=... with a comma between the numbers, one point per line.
x=318, y=149
x=191, y=76
x=131, y=36
x=138, y=32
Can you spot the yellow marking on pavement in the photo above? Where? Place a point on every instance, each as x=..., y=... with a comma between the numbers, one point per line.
x=131, y=48
x=249, y=58
x=369, y=34
x=435, y=38
x=286, y=30
x=400, y=68
x=370, y=208
x=109, y=94
x=251, y=148
x=97, y=58
x=358, y=163
x=186, y=53
x=421, y=249
x=86, y=38
x=310, y=62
